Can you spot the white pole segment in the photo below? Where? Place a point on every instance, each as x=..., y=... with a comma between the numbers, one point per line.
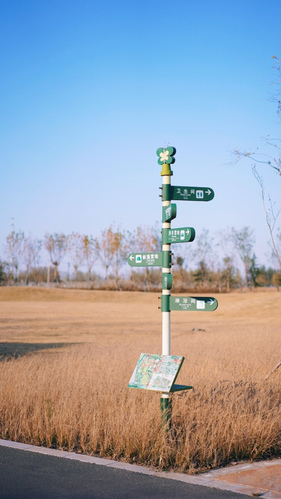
x=166, y=322
x=166, y=336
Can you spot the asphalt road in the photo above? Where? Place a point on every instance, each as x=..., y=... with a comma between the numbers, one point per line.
x=28, y=475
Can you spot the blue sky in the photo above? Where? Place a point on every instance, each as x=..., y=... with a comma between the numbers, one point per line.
x=89, y=90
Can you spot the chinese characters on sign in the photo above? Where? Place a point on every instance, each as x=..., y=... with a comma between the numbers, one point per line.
x=179, y=235
x=206, y=304
x=145, y=259
x=191, y=193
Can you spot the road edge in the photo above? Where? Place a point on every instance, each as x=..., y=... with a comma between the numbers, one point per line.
x=212, y=479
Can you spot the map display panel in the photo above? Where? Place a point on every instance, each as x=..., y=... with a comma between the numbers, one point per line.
x=156, y=372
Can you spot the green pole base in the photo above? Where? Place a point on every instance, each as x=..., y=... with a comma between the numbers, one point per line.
x=166, y=409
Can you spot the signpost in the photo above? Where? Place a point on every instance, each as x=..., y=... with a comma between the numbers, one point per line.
x=154, y=371
x=145, y=259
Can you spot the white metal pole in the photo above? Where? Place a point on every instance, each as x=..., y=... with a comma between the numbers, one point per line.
x=166, y=321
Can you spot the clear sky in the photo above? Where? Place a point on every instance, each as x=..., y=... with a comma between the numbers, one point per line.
x=89, y=90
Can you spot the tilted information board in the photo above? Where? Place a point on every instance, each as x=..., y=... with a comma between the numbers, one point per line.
x=157, y=372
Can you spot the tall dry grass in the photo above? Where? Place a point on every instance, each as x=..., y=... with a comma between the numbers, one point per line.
x=76, y=397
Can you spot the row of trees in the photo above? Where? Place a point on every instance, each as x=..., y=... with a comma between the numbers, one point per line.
x=200, y=265
x=23, y=253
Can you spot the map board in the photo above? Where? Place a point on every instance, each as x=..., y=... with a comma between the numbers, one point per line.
x=156, y=372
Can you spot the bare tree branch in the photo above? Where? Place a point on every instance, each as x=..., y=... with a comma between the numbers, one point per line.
x=270, y=214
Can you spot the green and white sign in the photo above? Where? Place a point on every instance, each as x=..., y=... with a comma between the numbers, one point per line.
x=145, y=259
x=167, y=281
x=169, y=212
x=183, y=193
x=180, y=235
x=202, y=304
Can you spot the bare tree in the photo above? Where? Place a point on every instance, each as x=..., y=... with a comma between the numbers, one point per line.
x=56, y=245
x=31, y=254
x=226, y=245
x=271, y=160
x=146, y=239
x=90, y=253
x=15, y=251
x=271, y=215
x=277, y=83
x=203, y=252
x=3, y=272
x=75, y=249
x=244, y=241
x=104, y=251
x=261, y=157
x=179, y=262
x=118, y=252
x=111, y=250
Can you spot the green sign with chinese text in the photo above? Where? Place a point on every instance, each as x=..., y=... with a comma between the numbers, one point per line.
x=182, y=193
x=179, y=235
x=202, y=304
x=145, y=259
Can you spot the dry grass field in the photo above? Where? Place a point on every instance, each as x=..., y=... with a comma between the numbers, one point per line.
x=67, y=356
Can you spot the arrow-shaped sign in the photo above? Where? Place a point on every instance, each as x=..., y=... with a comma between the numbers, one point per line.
x=179, y=235
x=202, y=304
x=183, y=193
x=145, y=259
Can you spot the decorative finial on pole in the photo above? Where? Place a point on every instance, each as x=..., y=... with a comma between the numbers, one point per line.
x=166, y=158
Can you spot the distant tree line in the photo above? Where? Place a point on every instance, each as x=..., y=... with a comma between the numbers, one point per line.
x=203, y=265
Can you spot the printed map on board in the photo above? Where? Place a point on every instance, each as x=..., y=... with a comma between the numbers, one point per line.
x=156, y=372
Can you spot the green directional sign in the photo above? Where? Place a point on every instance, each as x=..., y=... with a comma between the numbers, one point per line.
x=202, y=304
x=180, y=235
x=183, y=193
x=145, y=259
x=169, y=212
x=167, y=281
